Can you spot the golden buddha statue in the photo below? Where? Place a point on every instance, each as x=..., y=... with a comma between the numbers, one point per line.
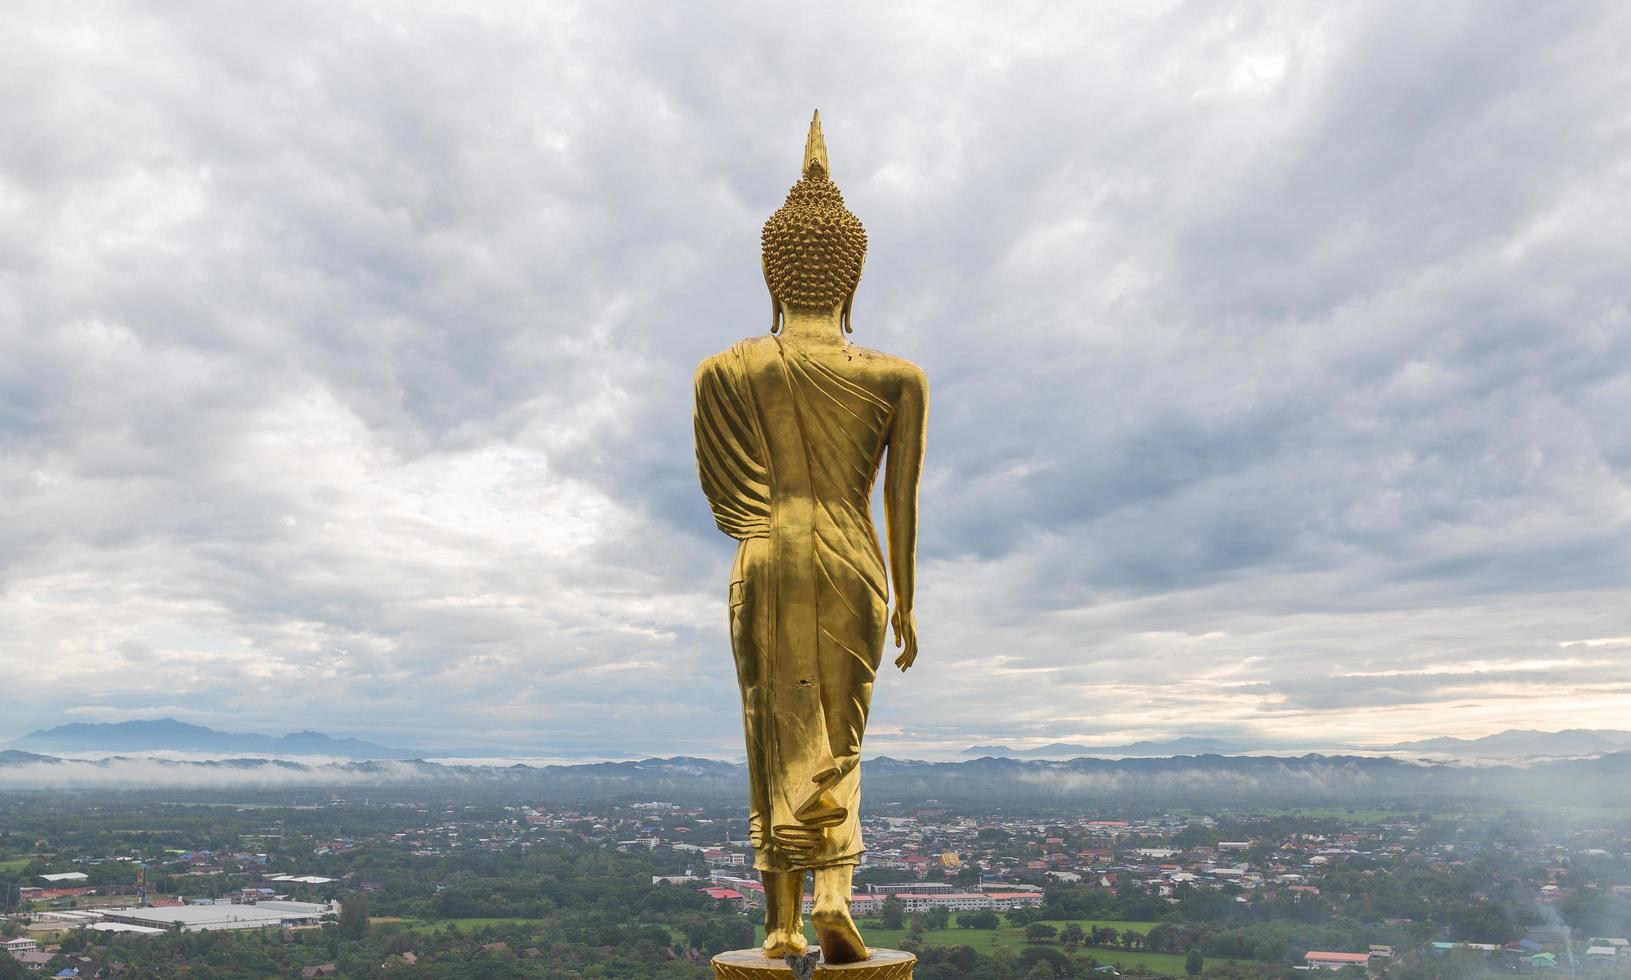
x=791, y=428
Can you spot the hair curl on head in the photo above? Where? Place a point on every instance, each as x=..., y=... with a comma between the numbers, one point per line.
x=813, y=245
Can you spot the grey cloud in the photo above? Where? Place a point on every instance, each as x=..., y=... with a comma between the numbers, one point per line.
x=348, y=355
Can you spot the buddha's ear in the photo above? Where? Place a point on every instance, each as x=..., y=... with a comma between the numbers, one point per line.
x=775, y=304
x=849, y=301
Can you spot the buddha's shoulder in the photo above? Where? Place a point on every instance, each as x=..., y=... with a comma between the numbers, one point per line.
x=734, y=355
x=887, y=366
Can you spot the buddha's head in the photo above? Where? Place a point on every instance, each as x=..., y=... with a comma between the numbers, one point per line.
x=813, y=246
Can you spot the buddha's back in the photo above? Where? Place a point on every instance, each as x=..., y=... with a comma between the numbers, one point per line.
x=835, y=404
x=791, y=429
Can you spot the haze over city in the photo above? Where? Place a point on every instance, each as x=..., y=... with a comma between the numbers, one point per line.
x=347, y=373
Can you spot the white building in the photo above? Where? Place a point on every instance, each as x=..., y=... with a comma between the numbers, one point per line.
x=70, y=917
x=1003, y=901
x=915, y=887
x=127, y=929
x=205, y=917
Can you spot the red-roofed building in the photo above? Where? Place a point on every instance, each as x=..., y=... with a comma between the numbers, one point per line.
x=1320, y=960
x=719, y=893
x=47, y=894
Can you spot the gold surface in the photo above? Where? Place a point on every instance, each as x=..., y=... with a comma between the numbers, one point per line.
x=751, y=964
x=791, y=431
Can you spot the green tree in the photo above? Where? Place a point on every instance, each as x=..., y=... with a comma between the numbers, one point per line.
x=402, y=942
x=354, y=916
x=1072, y=934
x=1056, y=963
x=1040, y=932
x=1193, y=963
x=893, y=913
x=1023, y=916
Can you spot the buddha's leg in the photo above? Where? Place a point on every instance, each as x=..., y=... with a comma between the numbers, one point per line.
x=775, y=935
x=840, y=939
x=784, y=914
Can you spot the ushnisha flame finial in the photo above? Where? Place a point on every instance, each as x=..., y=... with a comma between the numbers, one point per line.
x=815, y=147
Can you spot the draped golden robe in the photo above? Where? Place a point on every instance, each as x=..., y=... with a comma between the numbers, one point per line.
x=788, y=445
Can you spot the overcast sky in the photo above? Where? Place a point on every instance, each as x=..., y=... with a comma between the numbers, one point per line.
x=1280, y=358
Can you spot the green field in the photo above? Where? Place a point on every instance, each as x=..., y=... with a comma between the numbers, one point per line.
x=15, y=864
x=1013, y=937
x=1007, y=935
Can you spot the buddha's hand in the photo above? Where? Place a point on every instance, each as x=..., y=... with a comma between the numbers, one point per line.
x=905, y=637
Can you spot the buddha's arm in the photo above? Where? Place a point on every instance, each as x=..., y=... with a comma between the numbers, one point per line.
x=904, y=465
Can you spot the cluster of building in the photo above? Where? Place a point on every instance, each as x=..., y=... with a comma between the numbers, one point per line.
x=749, y=893
x=930, y=858
x=1544, y=949
x=162, y=916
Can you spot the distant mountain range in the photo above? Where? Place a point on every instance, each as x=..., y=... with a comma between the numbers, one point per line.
x=1250, y=783
x=1516, y=743
x=1188, y=745
x=1511, y=744
x=170, y=735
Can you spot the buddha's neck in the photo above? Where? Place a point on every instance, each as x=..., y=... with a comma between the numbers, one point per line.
x=809, y=327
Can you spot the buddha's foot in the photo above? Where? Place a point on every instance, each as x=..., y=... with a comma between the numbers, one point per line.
x=782, y=942
x=835, y=930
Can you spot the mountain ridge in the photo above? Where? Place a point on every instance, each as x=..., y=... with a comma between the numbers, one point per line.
x=1514, y=743
x=171, y=735
x=1239, y=781
x=1184, y=745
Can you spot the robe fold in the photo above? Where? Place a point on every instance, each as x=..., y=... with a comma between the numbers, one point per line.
x=787, y=449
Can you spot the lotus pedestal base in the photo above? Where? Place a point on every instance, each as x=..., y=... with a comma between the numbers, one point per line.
x=753, y=964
